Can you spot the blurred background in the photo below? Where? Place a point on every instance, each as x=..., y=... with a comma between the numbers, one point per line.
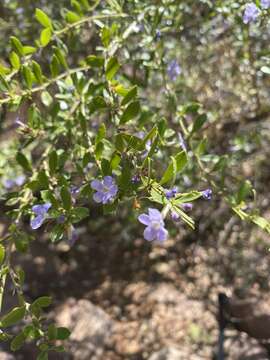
x=125, y=298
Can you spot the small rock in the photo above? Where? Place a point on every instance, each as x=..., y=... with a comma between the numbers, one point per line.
x=91, y=328
x=169, y=353
x=6, y=356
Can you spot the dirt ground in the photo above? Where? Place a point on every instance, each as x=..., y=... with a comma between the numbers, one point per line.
x=152, y=297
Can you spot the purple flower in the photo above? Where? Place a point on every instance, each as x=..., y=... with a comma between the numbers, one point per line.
x=158, y=34
x=173, y=70
x=10, y=183
x=251, y=13
x=187, y=206
x=207, y=194
x=20, y=180
x=136, y=179
x=171, y=193
x=175, y=216
x=41, y=213
x=106, y=190
x=61, y=219
x=155, y=229
x=265, y=4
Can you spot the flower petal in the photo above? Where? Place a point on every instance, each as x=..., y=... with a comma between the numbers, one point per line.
x=113, y=190
x=162, y=234
x=98, y=197
x=149, y=233
x=97, y=185
x=37, y=222
x=155, y=214
x=20, y=180
x=144, y=219
x=108, y=181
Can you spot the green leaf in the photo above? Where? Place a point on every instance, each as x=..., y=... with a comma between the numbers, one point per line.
x=14, y=316
x=15, y=60
x=132, y=110
x=17, y=342
x=85, y=3
x=28, y=76
x=23, y=161
x=79, y=214
x=112, y=68
x=97, y=103
x=114, y=5
x=52, y=332
x=53, y=161
x=17, y=45
x=42, y=302
x=48, y=196
x=261, y=222
x=29, y=50
x=187, y=197
x=177, y=164
x=63, y=333
x=43, y=356
x=132, y=93
x=61, y=57
x=43, y=18
x=37, y=71
x=57, y=233
x=100, y=134
x=2, y=254
x=199, y=122
x=72, y=17
x=66, y=198
x=45, y=37
x=95, y=61
x=105, y=36
x=54, y=66
x=46, y=98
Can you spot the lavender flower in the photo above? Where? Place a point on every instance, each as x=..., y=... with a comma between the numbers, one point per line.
x=158, y=34
x=106, y=190
x=41, y=213
x=187, y=206
x=136, y=179
x=61, y=219
x=251, y=13
x=171, y=193
x=173, y=70
x=265, y=4
x=155, y=229
x=10, y=183
x=20, y=180
x=175, y=216
x=207, y=194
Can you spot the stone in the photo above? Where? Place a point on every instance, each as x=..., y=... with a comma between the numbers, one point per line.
x=6, y=356
x=91, y=328
x=169, y=353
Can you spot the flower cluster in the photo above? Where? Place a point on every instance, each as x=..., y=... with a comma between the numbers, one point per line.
x=106, y=190
x=171, y=193
x=252, y=12
x=173, y=70
x=10, y=183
